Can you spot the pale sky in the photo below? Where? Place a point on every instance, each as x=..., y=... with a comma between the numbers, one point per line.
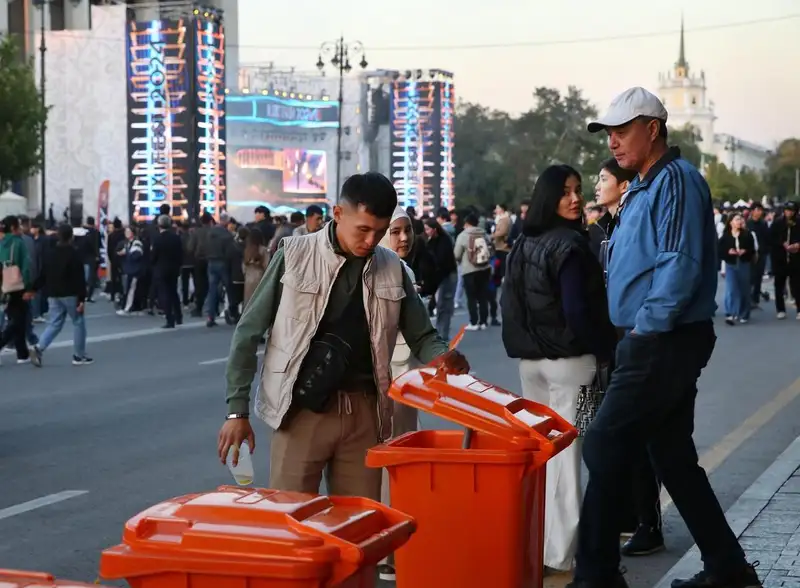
x=752, y=71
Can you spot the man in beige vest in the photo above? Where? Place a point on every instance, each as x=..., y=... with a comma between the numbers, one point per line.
x=326, y=369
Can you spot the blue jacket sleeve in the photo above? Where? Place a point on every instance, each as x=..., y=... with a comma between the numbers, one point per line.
x=679, y=213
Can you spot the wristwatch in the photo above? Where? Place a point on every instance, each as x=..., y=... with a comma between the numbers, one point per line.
x=237, y=415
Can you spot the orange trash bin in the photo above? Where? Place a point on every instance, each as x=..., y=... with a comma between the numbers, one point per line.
x=21, y=579
x=256, y=538
x=478, y=496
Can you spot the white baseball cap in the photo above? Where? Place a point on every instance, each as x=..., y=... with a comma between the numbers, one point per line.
x=631, y=104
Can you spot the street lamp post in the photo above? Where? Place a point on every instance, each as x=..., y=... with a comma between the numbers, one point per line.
x=339, y=53
x=733, y=147
x=42, y=5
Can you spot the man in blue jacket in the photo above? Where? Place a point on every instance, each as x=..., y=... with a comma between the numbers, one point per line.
x=662, y=282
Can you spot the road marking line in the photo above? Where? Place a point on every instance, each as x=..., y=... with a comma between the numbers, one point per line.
x=24, y=507
x=223, y=359
x=129, y=335
x=716, y=455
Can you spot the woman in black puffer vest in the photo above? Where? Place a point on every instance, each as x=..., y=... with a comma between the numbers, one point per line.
x=555, y=320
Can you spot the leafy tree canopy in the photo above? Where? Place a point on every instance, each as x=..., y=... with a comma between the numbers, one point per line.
x=22, y=116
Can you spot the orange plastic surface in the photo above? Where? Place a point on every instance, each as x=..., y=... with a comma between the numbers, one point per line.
x=21, y=579
x=480, y=511
x=240, y=536
x=481, y=406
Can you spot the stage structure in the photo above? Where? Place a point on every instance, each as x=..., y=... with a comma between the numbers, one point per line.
x=176, y=116
x=422, y=138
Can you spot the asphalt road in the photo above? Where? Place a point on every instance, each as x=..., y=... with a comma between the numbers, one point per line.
x=140, y=425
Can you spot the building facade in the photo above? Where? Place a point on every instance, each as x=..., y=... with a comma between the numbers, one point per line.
x=684, y=95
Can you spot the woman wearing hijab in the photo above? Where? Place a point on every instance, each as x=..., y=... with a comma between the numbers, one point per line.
x=400, y=238
x=555, y=320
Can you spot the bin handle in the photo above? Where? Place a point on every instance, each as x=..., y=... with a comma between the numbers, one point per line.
x=36, y=576
x=144, y=524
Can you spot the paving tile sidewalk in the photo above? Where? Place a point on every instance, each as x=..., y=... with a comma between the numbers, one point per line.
x=767, y=520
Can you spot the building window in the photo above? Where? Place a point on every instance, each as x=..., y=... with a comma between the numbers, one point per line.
x=694, y=100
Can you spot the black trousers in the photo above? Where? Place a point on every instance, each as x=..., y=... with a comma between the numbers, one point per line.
x=476, y=287
x=16, y=325
x=783, y=275
x=650, y=402
x=200, y=285
x=168, y=300
x=757, y=277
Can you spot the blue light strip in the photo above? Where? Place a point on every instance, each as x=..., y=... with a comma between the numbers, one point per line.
x=155, y=37
x=284, y=101
x=412, y=144
x=447, y=145
x=283, y=123
x=209, y=104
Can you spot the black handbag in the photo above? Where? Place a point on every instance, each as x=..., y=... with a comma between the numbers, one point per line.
x=325, y=365
x=590, y=398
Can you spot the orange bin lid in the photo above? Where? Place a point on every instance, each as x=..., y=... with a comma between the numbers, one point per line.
x=484, y=407
x=20, y=579
x=257, y=533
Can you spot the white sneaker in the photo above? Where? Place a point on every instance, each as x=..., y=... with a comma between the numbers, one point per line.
x=742, y=321
x=781, y=316
x=471, y=327
x=483, y=326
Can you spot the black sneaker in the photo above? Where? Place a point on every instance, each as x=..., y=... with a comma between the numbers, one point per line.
x=386, y=573
x=645, y=541
x=36, y=356
x=82, y=360
x=747, y=578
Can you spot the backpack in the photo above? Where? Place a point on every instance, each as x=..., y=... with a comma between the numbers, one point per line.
x=478, y=251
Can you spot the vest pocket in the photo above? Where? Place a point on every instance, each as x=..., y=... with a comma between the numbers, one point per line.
x=300, y=283
x=392, y=293
x=276, y=360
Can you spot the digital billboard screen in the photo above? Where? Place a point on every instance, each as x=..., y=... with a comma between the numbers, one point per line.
x=293, y=178
x=159, y=117
x=209, y=95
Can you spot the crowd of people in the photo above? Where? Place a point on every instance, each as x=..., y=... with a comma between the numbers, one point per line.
x=608, y=308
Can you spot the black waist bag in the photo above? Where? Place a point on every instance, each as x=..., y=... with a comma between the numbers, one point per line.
x=326, y=363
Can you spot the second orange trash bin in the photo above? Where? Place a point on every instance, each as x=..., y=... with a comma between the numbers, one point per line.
x=479, y=508
x=245, y=538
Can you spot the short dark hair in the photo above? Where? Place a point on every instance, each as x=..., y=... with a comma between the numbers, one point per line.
x=64, y=233
x=314, y=210
x=443, y=213
x=165, y=209
x=206, y=219
x=10, y=223
x=547, y=193
x=756, y=206
x=662, y=126
x=373, y=191
x=297, y=217
x=622, y=175
x=263, y=210
x=471, y=219
x=503, y=206
x=90, y=220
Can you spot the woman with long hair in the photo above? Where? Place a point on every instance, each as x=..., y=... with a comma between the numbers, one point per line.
x=737, y=249
x=254, y=261
x=555, y=321
x=440, y=246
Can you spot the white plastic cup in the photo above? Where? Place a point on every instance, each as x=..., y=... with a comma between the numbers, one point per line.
x=243, y=471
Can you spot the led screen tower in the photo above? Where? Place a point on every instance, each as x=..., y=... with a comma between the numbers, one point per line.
x=159, y=117
x=422, y=111
x=176, y=116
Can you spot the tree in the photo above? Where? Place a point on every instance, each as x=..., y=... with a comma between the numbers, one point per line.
x=687, y=139
x=728, y=186
x=22, y=116
x=499, y=157
x=782, y=169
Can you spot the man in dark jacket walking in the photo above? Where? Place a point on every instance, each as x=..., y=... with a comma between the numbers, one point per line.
x=758, y=226
x=167, y=260
x=217, y=242
x=65, y=283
